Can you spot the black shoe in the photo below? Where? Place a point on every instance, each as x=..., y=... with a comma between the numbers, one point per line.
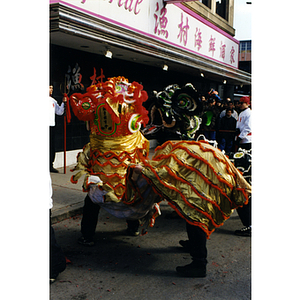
x=246, y=231
x=52, y=280
x=185, y=245
x=53, y=277
x=132, y=232
x=86, y=242
x=52, y=170
x=194, y=269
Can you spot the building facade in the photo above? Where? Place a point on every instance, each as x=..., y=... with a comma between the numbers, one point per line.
x=154, y=42
x=245, y=63
x=245, y=56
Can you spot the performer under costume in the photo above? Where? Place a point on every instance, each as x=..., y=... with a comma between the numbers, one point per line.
x=114, y=111
x=196, y=179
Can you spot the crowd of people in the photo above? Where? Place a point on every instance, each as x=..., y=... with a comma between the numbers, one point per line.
x=221, y=122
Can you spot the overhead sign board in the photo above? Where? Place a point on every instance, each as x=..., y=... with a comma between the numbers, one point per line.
x=175, y=25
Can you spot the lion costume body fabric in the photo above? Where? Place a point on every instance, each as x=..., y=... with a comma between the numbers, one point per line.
x=196, y=179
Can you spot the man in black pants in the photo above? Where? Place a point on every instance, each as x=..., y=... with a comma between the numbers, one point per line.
x=245, y=216
x=244, y=141
x=244, y=212
x=57, y=257
x=196, y=246
x=90, y=219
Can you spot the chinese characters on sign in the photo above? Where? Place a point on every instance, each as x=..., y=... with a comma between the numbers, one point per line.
x=95, y=79
x=73, y=79
x=183, y=30
x=172, y=24
x=198, y=39
x=232, y=51
x=222, y=50
x=161, y=21
x=212, y=48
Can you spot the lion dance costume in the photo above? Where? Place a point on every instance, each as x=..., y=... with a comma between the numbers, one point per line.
x=198, y=181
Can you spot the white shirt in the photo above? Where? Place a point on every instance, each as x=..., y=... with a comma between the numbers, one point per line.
x=55, y=109
x=244, y=125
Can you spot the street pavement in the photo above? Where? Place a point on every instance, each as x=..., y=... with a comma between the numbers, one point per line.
x=67, y=197
x=143, y=267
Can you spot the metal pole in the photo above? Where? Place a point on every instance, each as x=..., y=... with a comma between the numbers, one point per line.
x=65, y=143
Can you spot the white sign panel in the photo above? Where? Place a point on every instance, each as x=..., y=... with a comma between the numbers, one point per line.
x=173, y=24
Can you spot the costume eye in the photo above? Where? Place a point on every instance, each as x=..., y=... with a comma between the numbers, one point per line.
x=120, y=88
x=86, y=105
x=184, y=102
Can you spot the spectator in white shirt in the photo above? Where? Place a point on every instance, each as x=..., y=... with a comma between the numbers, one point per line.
x=231, y=106
x=55, y=108
x=243, y=124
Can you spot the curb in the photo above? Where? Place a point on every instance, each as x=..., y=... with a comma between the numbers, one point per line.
x=66, y=212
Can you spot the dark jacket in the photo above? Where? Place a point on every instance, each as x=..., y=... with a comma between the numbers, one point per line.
x=227, y=124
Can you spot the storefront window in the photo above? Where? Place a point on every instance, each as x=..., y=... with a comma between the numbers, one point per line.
x=222, y=8
x=206, y=3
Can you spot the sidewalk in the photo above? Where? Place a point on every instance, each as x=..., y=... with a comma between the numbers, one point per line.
x=68, y=198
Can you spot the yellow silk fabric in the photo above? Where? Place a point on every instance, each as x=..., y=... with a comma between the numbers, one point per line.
x=109, y=158
x=128, y=143
x=198, y=181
